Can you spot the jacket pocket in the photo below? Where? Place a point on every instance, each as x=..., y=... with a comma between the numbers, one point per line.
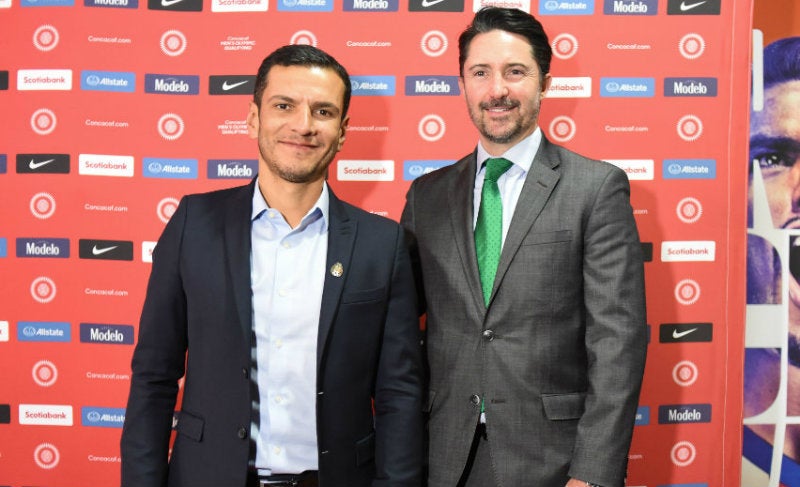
x=547, y=237
x=190, y=426
x=564, y=406
x=351, y=297
x=365, y=449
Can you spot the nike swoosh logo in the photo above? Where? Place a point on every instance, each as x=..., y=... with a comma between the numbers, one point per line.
x=685, y=7
x=96, y=251
x=229, y=86
x=430, y=3
x=168, y=3
x=36, y=165
x=680, y=334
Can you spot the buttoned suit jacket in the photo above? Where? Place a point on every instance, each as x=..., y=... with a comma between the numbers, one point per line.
x=197, y=319
x=558, y=355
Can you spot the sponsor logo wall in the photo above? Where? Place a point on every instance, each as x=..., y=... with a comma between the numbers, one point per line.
x=116, y=108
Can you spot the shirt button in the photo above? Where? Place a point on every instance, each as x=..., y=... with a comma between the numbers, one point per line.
x=242, y=433
x=488, y=335
x=278, y=399
x=475, y=399
x=276, y=450
x=278, y=343
x=287, y=245
x=282, y=293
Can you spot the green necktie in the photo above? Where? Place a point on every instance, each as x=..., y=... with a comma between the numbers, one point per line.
x=489, y=227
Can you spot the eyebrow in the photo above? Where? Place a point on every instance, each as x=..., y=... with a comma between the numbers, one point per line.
x=782, y=143
x=315, y=105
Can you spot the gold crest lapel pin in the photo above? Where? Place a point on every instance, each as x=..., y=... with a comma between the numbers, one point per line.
x=337, y=269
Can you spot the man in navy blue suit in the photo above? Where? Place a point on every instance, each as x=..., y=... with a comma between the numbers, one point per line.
x=290, y=313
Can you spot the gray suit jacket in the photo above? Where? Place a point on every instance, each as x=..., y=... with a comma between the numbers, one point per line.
x=559, y=353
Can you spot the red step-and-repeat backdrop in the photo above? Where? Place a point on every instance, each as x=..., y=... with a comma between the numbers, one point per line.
x=113, y=109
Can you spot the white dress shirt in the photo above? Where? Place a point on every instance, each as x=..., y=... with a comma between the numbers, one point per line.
x=287, y=275
x=510, y=183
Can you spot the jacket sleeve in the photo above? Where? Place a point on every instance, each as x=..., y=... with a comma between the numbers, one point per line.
x=157, y=365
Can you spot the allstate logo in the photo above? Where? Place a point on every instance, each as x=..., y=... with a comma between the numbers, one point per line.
x=290, y=3
x=674, y=169
x=29, y=331
x=612, y=87
x=154, y=167
x=416, y=170
x=93, y=80
x=551, y=5
x=93, y=416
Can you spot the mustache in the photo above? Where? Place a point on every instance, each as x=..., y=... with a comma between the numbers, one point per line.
x=499, y=103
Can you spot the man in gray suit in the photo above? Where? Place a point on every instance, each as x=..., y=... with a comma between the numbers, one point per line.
x=531, y=268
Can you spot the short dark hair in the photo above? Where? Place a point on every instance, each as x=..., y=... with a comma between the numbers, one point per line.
x=510, y=20
x=300, y=55
x=782, y=61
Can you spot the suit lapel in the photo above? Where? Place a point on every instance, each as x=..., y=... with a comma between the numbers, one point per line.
x=536, y=190
x=341, y=239
x=237, y=254
x=461, y=199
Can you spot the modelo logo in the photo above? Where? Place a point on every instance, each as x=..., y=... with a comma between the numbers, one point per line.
x=171, y=85
x=370, y=5
x=432, y=85
x=113, y=334
x=57, y=248
x=232, y=169
x=112, y=3
x=684, y=413
x=630, y=7
x=690, y=87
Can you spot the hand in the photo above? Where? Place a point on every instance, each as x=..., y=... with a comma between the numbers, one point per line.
x=577, y=483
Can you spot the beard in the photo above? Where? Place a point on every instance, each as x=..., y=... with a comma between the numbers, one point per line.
x=520, y=126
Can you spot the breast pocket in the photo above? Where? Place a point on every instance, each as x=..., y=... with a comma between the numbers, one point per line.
x=363, y=296
x=539, y=238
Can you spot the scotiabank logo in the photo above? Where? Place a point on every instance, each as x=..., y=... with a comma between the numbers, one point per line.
x=688, y=251
x=170, y=84
x=239, y=5
x=105, y=165
x=45, y=414
x=232, y=168
x=350, y=170
x=570, y=87
x=105, y=249
x=44, y=79
x=111, y=334
x=636, y=169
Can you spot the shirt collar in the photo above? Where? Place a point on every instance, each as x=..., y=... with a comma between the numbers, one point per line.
x=319, y=210
x=521, y=155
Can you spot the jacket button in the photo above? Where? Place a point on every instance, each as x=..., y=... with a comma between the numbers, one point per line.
x=475, y=399
x=245, y=373
x=488, y=335
x=242, y=433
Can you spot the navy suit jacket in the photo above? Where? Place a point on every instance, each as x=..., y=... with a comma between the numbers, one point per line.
x=197, y=321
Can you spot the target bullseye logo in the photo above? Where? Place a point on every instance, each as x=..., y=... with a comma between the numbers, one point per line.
x=43, y=289
x=45, y=38
x=173, y=43
x=689, y=210
x=46, y=456
x=43, y=121
x=45, y=373
x=434, y=43
x=687, y=292
x=166, y=208
x=690, y=128
x=170, y=126
x=304, y=37
x=562, y=128
x=42, y=205
x=431, y=127
x=683, y=453
x=564, y=46
x=692, y=46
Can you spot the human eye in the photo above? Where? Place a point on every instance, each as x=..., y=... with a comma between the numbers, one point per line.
x=774, y=161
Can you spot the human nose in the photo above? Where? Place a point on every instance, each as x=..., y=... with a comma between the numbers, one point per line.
x=303, y=121
x=499, y=88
